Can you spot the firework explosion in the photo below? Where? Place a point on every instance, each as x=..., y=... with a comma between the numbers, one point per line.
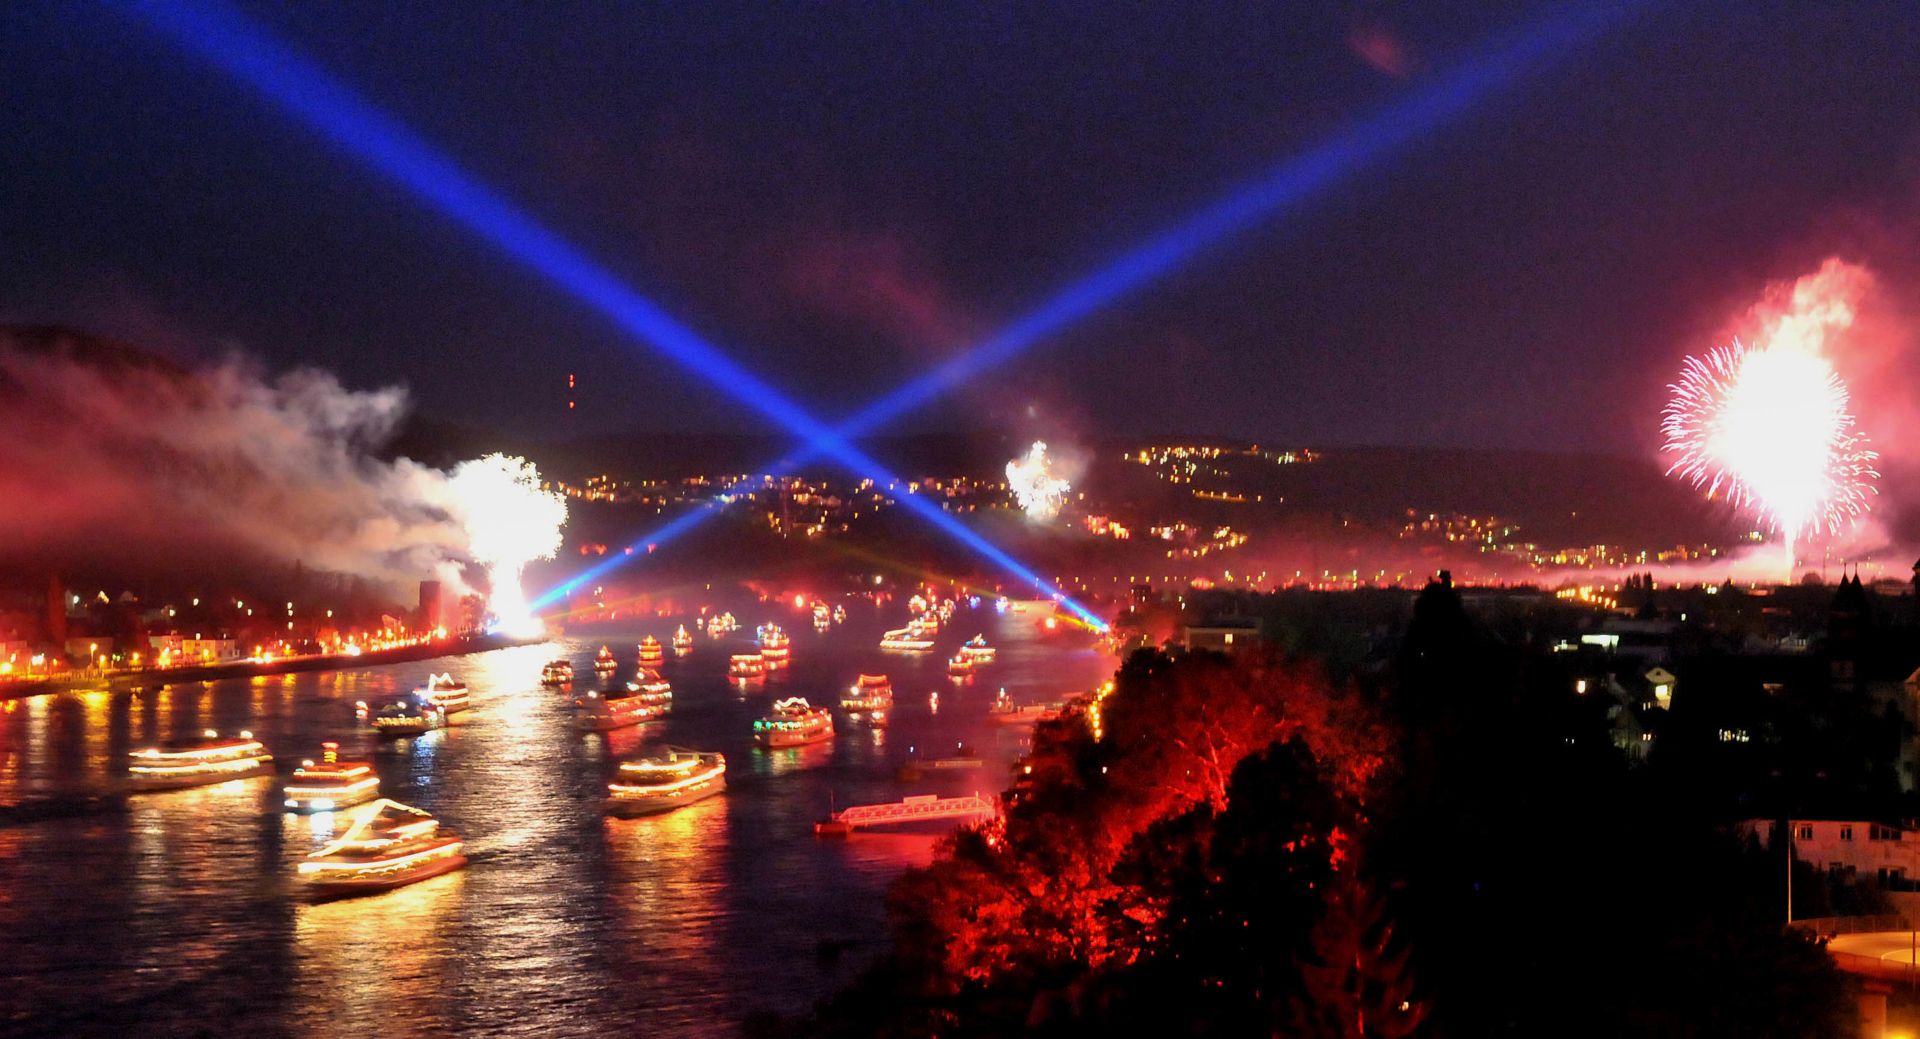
x=510, y=522
x=1768, y=428
x=1039, y=492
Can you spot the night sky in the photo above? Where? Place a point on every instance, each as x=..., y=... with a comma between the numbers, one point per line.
x=842, y=194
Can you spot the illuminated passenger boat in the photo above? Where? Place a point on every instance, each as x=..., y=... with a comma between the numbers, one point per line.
x=960, y=665
x=929, y=622
x=977, y=650
x=557, y=672
x=746, y=667
x=597, y=713
x=331, y=784
x=822, y=620
x=728, y=623
x=652, y=689
x=445, y=692
x=393, y=845
x=650, y=786
x=774, y=646
x=200, y=762
x=912, y=637
x=650, y=653
x=871, y=696
x=682, y=639
x=410, y=717
x=603, y=662
x=792, y=723
x=1005, y=712
x=839, y=614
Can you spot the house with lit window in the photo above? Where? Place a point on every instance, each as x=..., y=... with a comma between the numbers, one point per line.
x=1888, y=854
x=1224, y=636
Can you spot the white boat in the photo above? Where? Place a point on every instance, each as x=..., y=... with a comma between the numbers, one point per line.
x=746, y=667
x=445, y=692
x=391, y=846
x=603, y=662
x=977, y=650
x=209, y=759
x=792, y=723
x=409, y=717
x=682, y=639
x=556, y=673
x=839, y=614
x=912, y=637
x=649, y=786
x=960, y=665
x=651, y=655
x=597, y=713
x=1005, y=712
x=330, y=784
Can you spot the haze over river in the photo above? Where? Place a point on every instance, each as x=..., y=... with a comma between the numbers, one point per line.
x=178, y=914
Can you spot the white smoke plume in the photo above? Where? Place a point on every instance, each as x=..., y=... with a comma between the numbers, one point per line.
x=114, y=460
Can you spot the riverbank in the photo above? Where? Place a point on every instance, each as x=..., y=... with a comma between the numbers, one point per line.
x=156, y=678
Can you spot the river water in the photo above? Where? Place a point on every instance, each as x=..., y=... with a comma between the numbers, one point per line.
x=178, y=914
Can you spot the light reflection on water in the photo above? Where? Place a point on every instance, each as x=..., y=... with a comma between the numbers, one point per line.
x=179, y=913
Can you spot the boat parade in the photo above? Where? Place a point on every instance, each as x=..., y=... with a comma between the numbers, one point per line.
x=384, y=844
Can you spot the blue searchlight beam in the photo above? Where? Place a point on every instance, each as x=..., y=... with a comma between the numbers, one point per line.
x=230, y=42
x=1281, y=191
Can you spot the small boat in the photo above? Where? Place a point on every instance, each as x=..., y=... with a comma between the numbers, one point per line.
x=746, y=667
x=868, y=694
x=977, y=650
x=445, y=692
x=651, y=655
x=929, y=622
x=1005, y=712
x=603, y=662
x=871, y=697
x=960, y=665
x=792, y=723
x=409, y=717
x=821, y=613
x=652, y=689
x=912, y=637
x=393, y=845
x=649, y=786
x=832, y=828
x=210, y=759
x=682, y=639
x=557, y=672
x=822, y=622
x=774, y=646
x=596, y=713
x=839, y=614
x=330, y=784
